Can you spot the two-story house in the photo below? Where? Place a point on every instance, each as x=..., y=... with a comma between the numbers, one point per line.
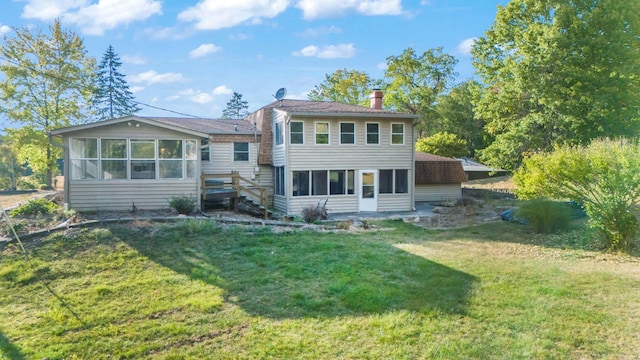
x=359, y=158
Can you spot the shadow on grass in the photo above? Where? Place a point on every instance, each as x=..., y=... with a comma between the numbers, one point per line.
x=307, y=274
x=8, y=350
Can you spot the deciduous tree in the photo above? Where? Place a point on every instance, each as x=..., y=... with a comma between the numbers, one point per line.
x=558, y=72
x=112, y=97
x=443, y=144
x=413, y=83
x=47, y=84
x=345, y=86
x=456, y=116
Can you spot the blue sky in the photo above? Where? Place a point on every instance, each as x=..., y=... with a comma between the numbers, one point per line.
x=189, y=56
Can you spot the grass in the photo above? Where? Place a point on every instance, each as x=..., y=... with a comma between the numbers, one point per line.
x=198, y=290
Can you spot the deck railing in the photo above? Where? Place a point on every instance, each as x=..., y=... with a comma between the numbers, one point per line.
x=241, y=186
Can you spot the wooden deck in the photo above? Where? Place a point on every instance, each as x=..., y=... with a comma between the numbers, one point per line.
x=232, y=186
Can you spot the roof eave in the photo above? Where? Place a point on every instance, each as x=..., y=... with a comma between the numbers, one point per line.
x=140, y=119
x=350, y=114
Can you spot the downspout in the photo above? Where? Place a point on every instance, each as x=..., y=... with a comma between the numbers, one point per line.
x=65, y=167
x=413, y=164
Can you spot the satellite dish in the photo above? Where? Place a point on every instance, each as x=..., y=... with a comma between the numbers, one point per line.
x=280, y=94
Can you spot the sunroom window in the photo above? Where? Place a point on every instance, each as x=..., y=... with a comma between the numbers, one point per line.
x=84, y=159
x=113, y=159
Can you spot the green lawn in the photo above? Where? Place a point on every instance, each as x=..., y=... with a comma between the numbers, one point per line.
x=199, y=290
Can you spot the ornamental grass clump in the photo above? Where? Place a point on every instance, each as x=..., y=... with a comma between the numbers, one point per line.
x=545, y=216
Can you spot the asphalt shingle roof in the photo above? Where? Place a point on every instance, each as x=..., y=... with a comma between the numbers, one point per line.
x=208, y=126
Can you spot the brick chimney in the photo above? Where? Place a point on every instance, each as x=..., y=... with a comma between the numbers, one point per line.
x=376, y=99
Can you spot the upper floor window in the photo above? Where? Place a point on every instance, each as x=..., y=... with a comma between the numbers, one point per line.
x=241, y=151
x=347, y=133
x=297, y=132
x=278, y=133
x=322, y=133
x=397, y=134
x=373, y=133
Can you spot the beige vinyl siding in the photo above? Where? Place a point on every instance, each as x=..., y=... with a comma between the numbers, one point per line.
x=336, y=204
x=280, y=204
x=437, y=192
x=358, y=156
x=279, y=151
x=121, y=195
x=222, y=160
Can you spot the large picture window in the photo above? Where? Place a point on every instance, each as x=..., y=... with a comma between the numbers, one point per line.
x=393, y=181
x=297, y=132
x=122, y=159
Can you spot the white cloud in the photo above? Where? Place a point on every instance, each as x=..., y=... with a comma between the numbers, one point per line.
x=204, y=50
x=382, y=66
x=222, y=90
x=136, y=89
x=200, y=97
x=4, y=29
x=465, y=46
x=217, y=14
x=133, y=59
x=152, y=77
x=328, y=52
x=312, y=9
x=320, y=31
x=46, y=10
x=92, y=18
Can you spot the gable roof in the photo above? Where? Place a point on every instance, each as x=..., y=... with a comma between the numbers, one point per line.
x=330, y=108
x=194, y=126
x=434, y=169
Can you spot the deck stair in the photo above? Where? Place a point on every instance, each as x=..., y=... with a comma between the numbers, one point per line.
x=236, y=189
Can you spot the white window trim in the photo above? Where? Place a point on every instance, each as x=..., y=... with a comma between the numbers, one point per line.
x=354, y=132
x=392, y=133
x=275, y=133
x=233, y=152
x=291, y=132
x=366, y=134
x=316, y=133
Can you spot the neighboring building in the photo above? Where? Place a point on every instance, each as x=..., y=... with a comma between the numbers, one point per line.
x=476, y=170
x=438, y=178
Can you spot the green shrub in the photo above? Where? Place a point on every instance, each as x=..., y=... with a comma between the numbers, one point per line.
x=35, y=207
x=183, y=204
x=545, y=216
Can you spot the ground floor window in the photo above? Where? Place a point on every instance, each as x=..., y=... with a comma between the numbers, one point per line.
x=132, y=159
x=278, y=181
x=323, y=182
x=393, y=181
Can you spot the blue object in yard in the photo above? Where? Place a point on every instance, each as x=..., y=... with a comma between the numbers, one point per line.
x=509, y=215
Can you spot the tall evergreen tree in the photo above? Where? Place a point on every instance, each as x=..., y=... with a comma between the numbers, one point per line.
x=236, y=107
x=112, y=98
